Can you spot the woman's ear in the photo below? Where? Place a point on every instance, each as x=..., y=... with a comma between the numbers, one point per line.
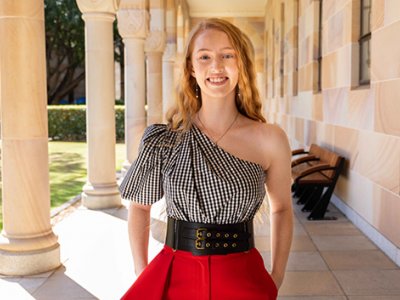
x=192, y=71
x=190, y=67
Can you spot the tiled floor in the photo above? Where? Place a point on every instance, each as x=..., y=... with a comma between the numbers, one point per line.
x=330, y=260
x=338, y=262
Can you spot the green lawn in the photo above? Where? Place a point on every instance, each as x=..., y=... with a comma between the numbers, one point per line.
x=68, y=170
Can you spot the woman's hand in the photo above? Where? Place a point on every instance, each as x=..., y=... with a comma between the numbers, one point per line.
x=139, y=270
x=277, y=280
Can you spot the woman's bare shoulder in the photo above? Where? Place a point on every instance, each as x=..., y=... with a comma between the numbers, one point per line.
x=265, y=142
x=266, y=131
x=274, y=140
x=273, y=131
x=271, y=138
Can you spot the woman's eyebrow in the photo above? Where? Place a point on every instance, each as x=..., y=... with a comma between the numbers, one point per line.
x=205, y=49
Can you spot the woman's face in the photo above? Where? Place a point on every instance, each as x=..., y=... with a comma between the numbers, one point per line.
x=214, y=63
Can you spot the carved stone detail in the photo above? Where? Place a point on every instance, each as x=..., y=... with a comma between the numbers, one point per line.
x=133, y=23
x=155, y=42
x=169, y=52
x=98, y=6
x=132, y=4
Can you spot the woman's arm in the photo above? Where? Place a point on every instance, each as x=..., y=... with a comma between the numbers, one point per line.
x=278, y=183
x=138, y=229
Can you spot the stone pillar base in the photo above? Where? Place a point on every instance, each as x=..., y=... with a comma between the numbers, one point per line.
x=23, y=263
x=101, y=197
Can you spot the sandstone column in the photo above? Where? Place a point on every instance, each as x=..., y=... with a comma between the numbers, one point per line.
x=179, y=43
x=154, y=48
x=101, y=189
x=27, y=242
x=133, y=28
x=168, y=87
x=180, y=30
x=186, y=29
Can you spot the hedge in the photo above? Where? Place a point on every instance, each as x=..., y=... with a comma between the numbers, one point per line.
x=68, y=122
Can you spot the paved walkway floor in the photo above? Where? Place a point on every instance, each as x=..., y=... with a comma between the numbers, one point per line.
x=330, y=260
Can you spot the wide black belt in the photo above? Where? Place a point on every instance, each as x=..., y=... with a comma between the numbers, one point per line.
x=207, y=239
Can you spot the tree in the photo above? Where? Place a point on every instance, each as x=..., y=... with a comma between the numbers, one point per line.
x=65, y=49
x=119, y=50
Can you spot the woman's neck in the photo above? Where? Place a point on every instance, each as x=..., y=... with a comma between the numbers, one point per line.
x=217, y=114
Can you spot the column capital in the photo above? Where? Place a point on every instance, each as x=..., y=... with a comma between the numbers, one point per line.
x=170, y=52
x=133, y=4
x=133, y=23
x=98, y=6
x=155, y=42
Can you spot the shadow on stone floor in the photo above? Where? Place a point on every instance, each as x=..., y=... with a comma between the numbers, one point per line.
x=60, y=286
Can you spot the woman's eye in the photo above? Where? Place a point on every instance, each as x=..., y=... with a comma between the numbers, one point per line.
x=204, y=57
x=228, y=56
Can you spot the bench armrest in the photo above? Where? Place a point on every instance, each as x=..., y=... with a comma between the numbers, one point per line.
x=314, y=169
x=299, y=151
x=304, y=159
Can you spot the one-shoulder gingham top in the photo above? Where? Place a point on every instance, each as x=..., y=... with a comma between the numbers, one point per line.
x=201, y=182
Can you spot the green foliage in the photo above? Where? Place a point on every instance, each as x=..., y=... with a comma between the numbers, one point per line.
x=120, y=122
x=65, y=29
x=65, y=48
x=68, y=122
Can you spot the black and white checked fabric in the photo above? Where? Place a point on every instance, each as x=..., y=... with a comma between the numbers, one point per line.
x=201, y=182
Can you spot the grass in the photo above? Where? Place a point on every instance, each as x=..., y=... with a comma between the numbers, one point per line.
x=68, y=170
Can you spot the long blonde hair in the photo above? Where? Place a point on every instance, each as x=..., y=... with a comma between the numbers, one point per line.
x=248, y=103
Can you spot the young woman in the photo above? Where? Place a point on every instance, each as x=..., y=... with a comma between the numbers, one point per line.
x=213, y=162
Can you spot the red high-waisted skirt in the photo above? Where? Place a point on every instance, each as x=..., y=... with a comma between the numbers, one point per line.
x=179, y=275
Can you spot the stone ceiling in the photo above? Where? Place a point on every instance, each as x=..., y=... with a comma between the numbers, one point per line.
x=226, y=8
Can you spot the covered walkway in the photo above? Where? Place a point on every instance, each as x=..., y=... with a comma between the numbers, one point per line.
x=330, y=260
x=328, y=73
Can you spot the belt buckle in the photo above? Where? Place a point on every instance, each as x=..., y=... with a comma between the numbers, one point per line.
x=201, y=236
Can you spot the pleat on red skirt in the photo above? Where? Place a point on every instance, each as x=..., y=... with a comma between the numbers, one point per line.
x=179, y=275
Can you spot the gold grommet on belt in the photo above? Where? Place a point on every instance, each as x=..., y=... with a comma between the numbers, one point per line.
x=208, y=234
x=235, y=235
x=216, y=245
x=208, y=245
x=218, y=234
x=234, y=245
x=225, y=245
x=226, y=235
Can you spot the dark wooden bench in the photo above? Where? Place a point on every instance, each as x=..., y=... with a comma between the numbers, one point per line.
x=314, y=175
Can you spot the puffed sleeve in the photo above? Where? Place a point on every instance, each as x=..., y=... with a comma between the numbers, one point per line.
x=143, y=181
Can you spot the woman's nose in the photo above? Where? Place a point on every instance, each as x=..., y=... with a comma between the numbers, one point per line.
x=217, y=66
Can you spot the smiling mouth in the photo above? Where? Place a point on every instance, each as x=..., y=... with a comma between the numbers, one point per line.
x=217, y=80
